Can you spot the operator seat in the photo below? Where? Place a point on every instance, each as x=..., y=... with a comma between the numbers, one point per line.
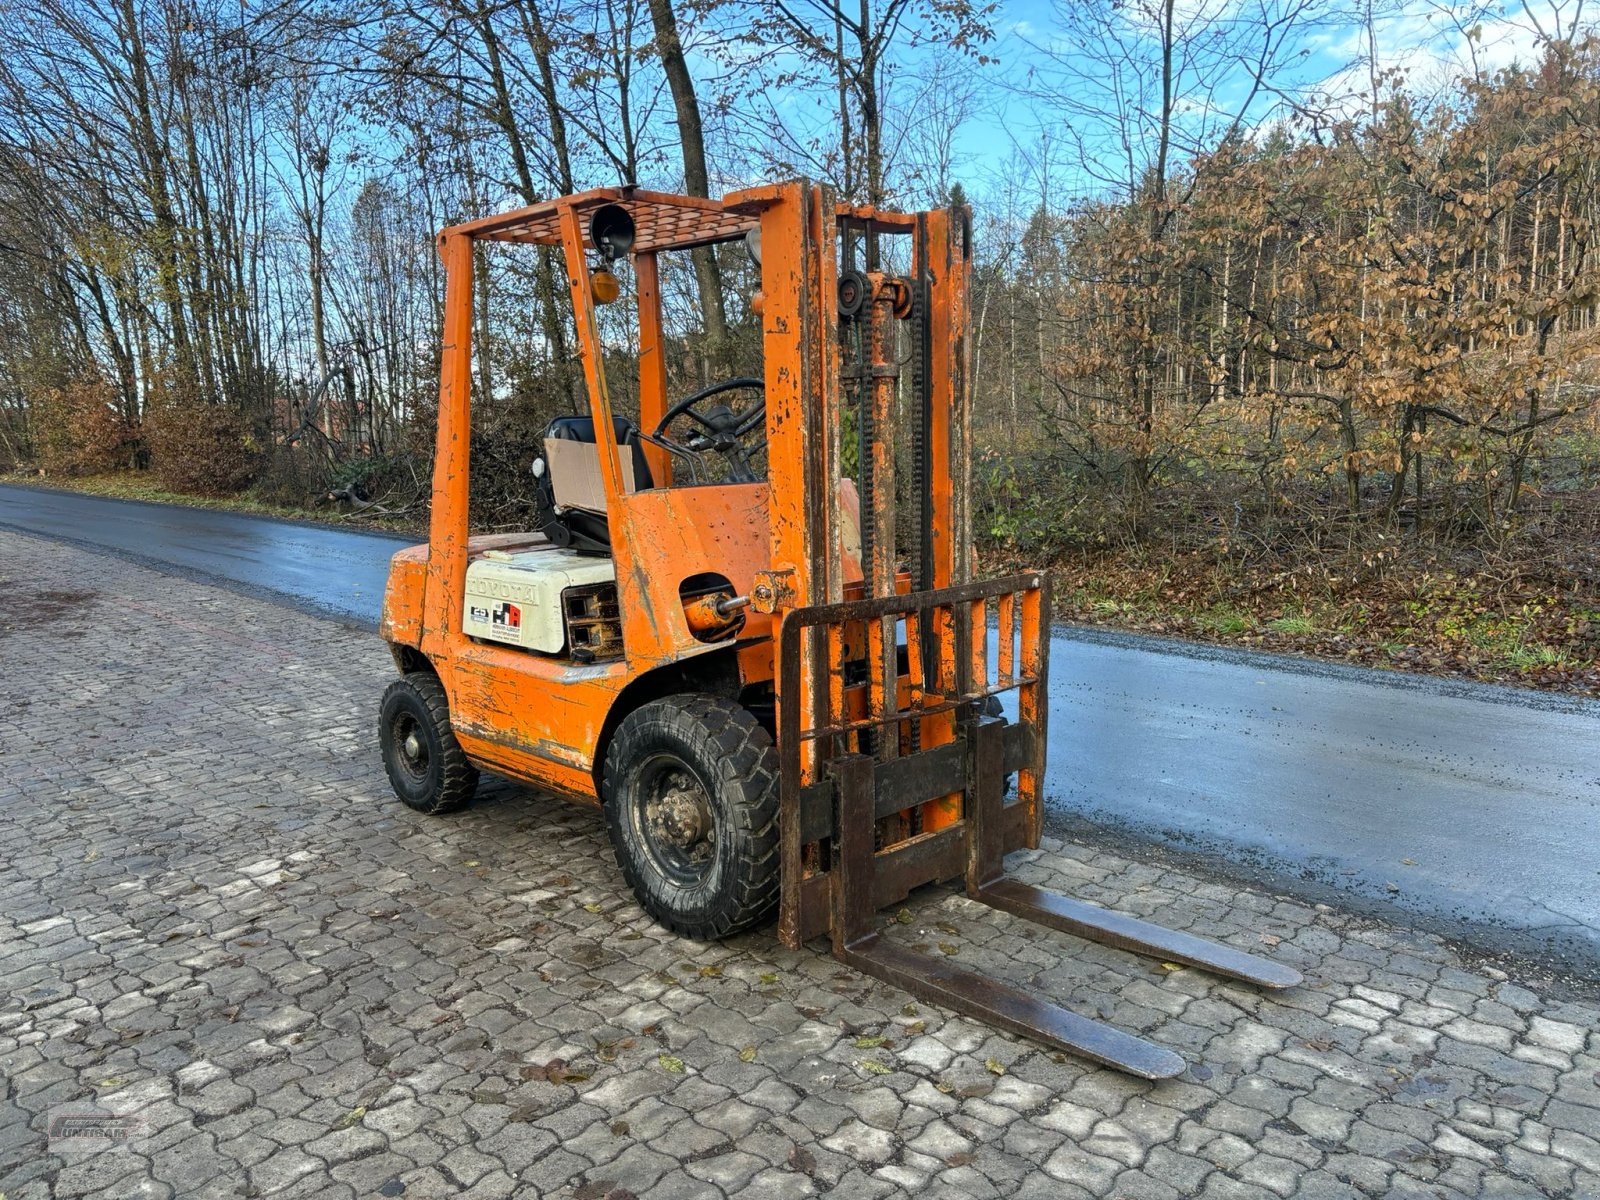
x=575, y=527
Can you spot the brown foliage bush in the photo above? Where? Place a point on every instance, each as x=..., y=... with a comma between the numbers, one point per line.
x=78, y=429
x=199, y=447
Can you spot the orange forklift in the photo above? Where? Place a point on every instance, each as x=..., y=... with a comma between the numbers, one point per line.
x=782, y=684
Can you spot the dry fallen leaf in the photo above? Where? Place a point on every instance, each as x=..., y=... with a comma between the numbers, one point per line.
x=874, y=1067
x=1166, y=966
x=995, y=1066
x=351, y=1117
x=710, y=972
x=868, y=1043
x=671, y=1062
x=903, y=916
x=1270, y=939
x=770, y=977
x=592, y=908
x=748, y=1054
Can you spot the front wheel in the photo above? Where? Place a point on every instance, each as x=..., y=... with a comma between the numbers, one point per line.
x=691, y=799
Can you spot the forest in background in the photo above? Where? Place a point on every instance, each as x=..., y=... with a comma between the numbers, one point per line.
x=1255, y=357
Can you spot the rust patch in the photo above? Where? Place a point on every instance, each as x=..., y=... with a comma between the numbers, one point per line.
x=25, y=609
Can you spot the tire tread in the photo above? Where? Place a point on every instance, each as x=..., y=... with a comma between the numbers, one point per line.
x=458, y=778
x=748, y=766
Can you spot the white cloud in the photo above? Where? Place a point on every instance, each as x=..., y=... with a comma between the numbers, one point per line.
x=1430, y=45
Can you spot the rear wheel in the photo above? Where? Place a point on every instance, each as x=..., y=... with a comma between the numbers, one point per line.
x=691, y=799
x=427, y=767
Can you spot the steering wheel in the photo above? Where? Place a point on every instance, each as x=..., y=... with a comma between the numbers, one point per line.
x=720, y=428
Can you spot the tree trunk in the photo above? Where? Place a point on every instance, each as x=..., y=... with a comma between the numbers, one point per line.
x=696, y=178
x=154, y=156
x=871, y=114
x=505, y=116
x=1352, y=465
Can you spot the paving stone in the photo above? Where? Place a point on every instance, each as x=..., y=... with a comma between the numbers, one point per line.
x=304, y=989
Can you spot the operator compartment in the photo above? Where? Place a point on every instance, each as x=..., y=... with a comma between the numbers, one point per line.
x=549, y=600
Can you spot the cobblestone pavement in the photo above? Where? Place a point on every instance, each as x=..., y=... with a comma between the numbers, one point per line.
x=216, y=922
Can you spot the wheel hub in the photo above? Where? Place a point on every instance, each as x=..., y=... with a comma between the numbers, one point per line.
x=411, y=748
x=679, y=824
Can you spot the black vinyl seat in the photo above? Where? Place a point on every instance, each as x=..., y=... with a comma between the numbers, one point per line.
x=573, y=527
x=581, y=429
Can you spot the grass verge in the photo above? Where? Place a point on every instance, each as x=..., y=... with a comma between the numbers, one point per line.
x=1492, y=621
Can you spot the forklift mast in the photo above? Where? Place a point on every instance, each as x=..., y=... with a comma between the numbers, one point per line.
x=894, y=759
x=883, y=665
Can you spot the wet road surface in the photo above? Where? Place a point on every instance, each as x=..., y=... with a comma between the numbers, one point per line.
x=333, y=572
x=1473, y=810
x=1476, y=808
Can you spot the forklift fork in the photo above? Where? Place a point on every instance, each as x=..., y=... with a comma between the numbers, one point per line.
x=835, y=797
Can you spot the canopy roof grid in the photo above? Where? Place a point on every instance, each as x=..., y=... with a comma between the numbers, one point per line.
x=662, y=220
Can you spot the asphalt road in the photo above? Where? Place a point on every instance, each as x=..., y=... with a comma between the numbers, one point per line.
x=1469, y=809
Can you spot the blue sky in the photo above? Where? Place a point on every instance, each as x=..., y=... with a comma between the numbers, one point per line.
x=1431, y=42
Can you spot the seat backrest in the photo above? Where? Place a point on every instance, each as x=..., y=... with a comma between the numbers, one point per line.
x=582, y=530
x=581, y=429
